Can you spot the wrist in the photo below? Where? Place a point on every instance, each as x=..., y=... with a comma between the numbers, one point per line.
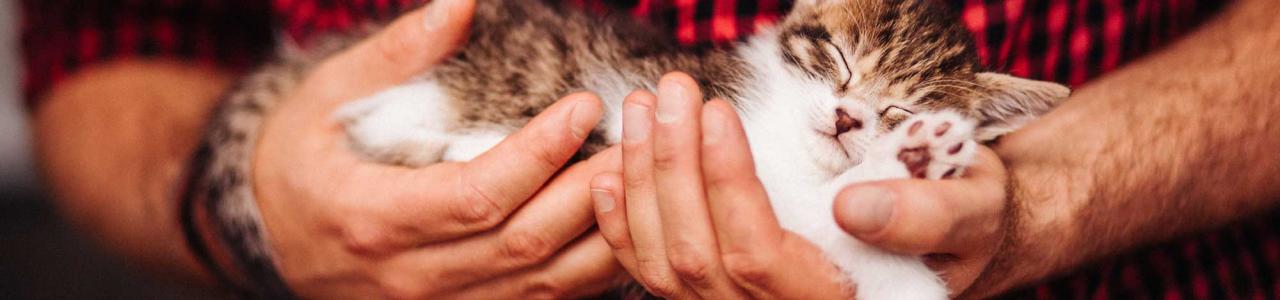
x=1042, y=234
x=1048, y=188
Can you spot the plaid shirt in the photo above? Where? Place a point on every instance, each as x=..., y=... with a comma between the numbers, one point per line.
x=1068, y=41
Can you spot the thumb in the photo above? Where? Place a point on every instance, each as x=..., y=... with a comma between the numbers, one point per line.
x=894, y=216
x=408, y=47
x=918, y=216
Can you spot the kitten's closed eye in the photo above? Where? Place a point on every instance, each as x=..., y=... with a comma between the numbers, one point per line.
x=894, y=109
x=811, y=50
x=843, y=73
x=892, y=115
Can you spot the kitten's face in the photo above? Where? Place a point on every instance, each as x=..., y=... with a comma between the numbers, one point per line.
x=879, y=62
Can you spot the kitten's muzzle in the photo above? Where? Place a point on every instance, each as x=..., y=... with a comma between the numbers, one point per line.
x=845, y=122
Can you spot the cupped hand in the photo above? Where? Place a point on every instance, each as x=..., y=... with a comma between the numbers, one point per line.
x=500, y=226
x=689, y=219
x=959, y=225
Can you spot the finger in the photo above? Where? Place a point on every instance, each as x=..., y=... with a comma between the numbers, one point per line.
x=408, y=47
x=747, y=231
x=518, y=166
x=449, y=200
x=690, y=241
x=611, y=218
x=792, y=269
x=759, y=256
x=739, y=207
x=586, y=268
x=558, y=214
x=928, y=216
x=643, y=216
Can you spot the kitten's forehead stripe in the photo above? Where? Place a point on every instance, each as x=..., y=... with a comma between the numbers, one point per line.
x=909, y=50
x=814, y=31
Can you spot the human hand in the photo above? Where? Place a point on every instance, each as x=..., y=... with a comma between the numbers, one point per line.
x=689, y=219
x=498, y=226
x=959, y=225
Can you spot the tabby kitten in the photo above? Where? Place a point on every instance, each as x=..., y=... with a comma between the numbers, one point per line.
x=840, y=91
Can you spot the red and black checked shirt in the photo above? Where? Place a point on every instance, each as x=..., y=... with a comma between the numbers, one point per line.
x=1068, y=41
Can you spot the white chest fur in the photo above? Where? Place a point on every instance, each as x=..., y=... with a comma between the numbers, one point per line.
x=802, y=190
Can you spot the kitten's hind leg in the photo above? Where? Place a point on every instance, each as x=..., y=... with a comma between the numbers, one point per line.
x=932, y=145
x=406, y=125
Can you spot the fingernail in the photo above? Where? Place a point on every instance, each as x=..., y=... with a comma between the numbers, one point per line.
x=635, y=123
x=872, y=207
x=437, y=14
x=713, y=124
x=581, y=118
x=671, y=97
x=603, y=200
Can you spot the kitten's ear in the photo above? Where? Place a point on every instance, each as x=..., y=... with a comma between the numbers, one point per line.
x=1013, y=102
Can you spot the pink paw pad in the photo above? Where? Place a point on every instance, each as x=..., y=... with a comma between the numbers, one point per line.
x=942, y=152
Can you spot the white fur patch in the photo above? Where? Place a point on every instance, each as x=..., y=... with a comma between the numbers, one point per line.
x=412, y=124
x=612, y=88
x=783, y=118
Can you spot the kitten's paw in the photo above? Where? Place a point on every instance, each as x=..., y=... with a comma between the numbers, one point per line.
x=934, y=145
x=404, y=125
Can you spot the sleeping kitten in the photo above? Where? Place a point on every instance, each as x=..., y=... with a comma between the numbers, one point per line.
x=840, y=91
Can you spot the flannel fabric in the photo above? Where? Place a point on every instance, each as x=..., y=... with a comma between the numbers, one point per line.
x=1068, y=41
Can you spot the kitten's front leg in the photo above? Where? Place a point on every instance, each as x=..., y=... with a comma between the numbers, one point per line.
x=929, y=145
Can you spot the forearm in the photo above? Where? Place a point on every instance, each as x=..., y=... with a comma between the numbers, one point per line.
x=1181, y=141
x=113, y=141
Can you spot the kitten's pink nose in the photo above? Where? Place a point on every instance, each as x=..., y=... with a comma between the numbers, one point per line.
x=845, y=122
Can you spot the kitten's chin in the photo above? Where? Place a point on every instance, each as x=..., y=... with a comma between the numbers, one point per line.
x=835, y=155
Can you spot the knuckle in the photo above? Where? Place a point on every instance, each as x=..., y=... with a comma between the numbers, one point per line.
x=476, y=208
x=689, y=264
x=364, y=238
x=747, y=268
x=632, y=184
x=730, y=181
x=545, y=158
x=394, y=47
x=655, y=278
x=405, y=289
x=525, y=247
x=664, y=159
x=617, y=239
x=938, y=236
x=915, y=238
x=545, y=288
x=662, y=288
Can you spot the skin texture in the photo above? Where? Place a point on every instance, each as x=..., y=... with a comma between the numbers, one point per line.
x=689, y=231
x=1179, y=142
x=1207, y=103
x=113, y=142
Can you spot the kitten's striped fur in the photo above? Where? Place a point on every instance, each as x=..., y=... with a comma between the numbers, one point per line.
x=821, y=96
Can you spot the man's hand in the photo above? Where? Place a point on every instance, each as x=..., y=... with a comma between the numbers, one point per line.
x=1179, y=142
x=958, y=224
x=496, y=227
x=693, y=221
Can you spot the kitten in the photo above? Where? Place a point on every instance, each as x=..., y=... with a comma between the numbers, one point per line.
x=840, y=91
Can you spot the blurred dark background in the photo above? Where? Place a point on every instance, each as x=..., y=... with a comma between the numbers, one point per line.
x=40, y=256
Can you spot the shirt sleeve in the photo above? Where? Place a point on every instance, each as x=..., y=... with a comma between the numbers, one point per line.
x=699, y=24
x=60, y=37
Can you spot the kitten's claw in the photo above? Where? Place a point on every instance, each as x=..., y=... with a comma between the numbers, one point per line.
x=934, y=145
